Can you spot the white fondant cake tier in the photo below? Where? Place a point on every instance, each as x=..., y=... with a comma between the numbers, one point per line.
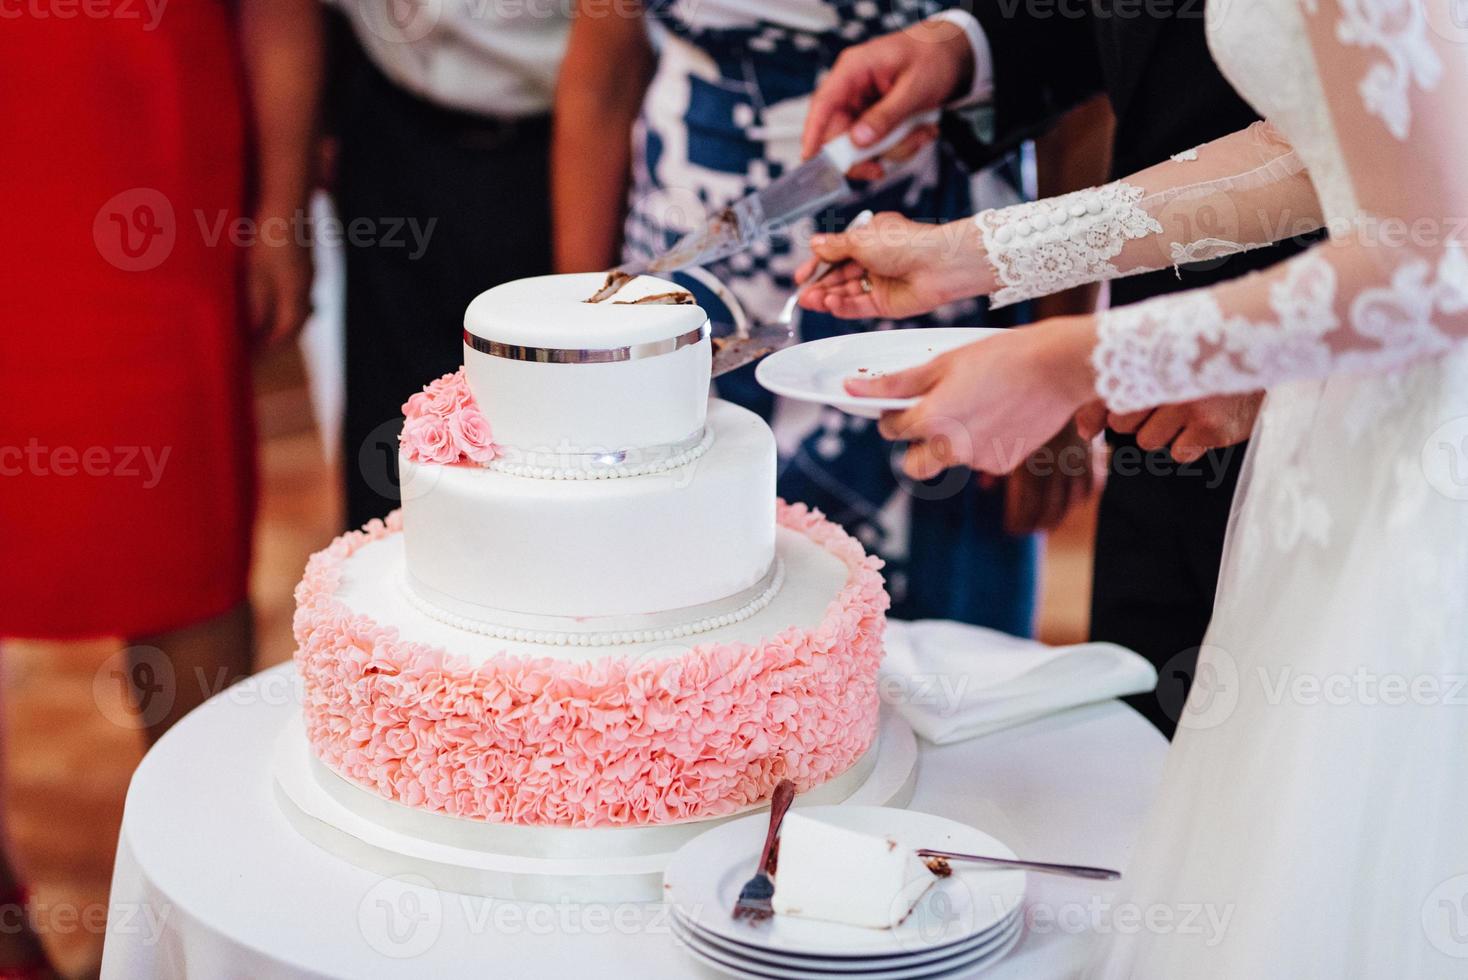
x=557, y=376
x=370, y=587
x=493, y=547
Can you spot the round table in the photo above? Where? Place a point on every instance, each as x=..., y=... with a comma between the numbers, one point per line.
x=212, y=881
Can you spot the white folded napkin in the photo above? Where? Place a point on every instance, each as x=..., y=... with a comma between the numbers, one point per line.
x=953, y=681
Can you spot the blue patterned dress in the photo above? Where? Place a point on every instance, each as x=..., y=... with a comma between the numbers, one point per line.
x=723, y=117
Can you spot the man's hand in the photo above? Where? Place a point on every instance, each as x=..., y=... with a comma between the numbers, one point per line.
x=874, y=86
x=1066, y=472
x=1190, y=428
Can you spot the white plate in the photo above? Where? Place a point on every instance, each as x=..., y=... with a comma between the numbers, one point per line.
x=760, y=958
x=703, y=880
x=817, y=371
x=966, y=963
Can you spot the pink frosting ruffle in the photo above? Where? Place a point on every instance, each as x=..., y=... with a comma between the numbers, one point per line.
x=442, y=424
x=608, y=742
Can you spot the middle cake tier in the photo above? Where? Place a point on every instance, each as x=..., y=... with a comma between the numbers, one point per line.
x=498, y=550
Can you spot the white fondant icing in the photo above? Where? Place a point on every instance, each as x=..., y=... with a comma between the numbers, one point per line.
x=547, y=633
x=540, y=407
x=369, y=586
x=685, y=537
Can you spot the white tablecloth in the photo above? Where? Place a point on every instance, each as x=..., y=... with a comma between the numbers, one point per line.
x=212, y=882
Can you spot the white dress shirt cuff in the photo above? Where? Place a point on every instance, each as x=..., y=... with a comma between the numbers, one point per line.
x=982, y=88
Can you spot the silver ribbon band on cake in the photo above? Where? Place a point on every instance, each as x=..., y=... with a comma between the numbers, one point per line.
x=571, y=355
x=550, y=464
x=668, y=625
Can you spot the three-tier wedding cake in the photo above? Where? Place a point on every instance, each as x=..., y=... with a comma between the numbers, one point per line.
x=591, y=609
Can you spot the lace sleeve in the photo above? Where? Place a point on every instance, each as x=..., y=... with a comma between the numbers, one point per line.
x=1242, y=191
x=1388, y=289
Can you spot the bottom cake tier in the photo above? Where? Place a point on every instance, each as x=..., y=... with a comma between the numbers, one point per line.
x=449, y=721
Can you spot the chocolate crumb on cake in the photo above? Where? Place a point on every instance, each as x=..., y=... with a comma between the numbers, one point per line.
x=939, y=866
x=616, y=279
x=675, y=298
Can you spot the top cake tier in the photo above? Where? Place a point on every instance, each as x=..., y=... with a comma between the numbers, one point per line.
x=566, y=383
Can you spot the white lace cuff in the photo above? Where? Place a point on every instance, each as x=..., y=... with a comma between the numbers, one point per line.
x=1184, y=346
x=1043, y=247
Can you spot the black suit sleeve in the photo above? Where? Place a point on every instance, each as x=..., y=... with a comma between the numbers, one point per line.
x=1045, y=63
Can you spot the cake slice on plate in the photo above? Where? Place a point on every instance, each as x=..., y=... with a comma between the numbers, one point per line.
x=839, y=875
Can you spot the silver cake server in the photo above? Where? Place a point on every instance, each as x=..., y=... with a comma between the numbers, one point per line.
x=815, y=184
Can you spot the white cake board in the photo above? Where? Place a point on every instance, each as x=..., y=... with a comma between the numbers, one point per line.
x=536, y=864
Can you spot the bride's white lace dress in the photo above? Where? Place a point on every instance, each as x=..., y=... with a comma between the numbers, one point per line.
x=1313, y=819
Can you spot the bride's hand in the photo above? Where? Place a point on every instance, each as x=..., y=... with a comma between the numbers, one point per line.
x=992, y=403
x=895, y=267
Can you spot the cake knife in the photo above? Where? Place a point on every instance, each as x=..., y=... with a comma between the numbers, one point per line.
x=815, y=184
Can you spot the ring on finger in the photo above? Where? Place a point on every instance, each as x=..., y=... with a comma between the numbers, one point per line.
x=866, y=284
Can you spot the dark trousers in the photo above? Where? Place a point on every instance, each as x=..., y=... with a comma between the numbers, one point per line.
x=436, y=206
x=1159, y=542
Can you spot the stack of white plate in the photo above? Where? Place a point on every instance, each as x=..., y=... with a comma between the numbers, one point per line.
x=963, y=923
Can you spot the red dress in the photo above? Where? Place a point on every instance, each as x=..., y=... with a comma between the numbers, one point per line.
x=126, y=441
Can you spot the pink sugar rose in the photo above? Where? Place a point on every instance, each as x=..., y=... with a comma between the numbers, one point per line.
x=443, y=425
x=449, y=394
x=416, y=405
x=472, y=435
x=427, y=439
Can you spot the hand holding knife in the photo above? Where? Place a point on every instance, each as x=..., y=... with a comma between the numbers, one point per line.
x=815, y=184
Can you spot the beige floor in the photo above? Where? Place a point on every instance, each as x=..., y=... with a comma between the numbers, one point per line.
x=69, y=759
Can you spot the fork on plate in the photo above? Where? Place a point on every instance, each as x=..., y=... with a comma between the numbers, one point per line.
x=766, y=338
x=754, y=898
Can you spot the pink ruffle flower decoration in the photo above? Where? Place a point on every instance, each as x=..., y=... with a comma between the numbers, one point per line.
x=443, y=425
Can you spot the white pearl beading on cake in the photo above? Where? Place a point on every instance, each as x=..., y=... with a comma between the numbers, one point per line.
x=607, y=471
x=552, y=637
